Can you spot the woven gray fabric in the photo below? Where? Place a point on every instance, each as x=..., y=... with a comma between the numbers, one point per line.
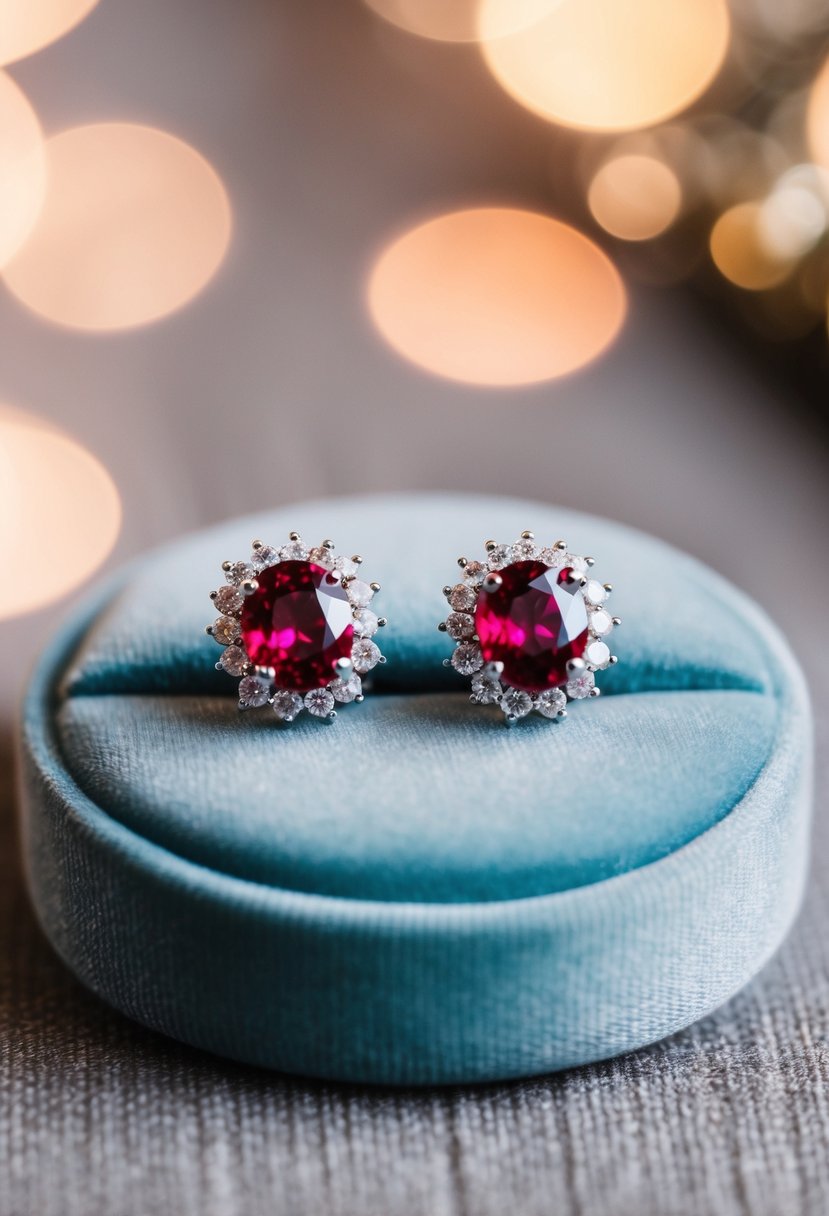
x=99, y=1117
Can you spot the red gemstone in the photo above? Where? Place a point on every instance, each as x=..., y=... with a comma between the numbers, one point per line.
x=299, y=623
x=533, y=623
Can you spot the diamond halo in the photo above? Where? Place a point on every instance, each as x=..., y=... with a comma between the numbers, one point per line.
x=530, y=626
x=295, y=626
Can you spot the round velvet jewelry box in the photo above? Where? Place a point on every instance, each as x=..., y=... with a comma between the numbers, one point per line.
x=416, y=894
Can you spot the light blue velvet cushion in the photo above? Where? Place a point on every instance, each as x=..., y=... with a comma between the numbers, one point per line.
x=416, y=893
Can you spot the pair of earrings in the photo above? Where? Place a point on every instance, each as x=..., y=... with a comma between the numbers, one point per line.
x=529, y=623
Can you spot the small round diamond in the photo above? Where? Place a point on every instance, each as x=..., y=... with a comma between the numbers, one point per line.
x=319, y=702
x=366, y=622
x=551, y=702
x=264, y=556
x=460, y=625
x=523, y=550
x=579, y=564
x=516, y=703
x=462, y=598
x=467, y=658
x=253, y=692
x=286, y=705
x=347, y=566
x=601, y=622
x=473, y=573
x=346, y=691
x=365, y=654
x=234, y=661
x=594, y=592
x=581, y=686
x=486, y=689
x=500, y=556
x=597, y=655
x=228, y=599
x=321, y=556
x=226, y=630
x=359, y=593
x=240, y=572
x=551, y=556
x=294, y=551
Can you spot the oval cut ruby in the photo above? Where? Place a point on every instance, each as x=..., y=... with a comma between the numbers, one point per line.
x=533, y=623
x=299, y=623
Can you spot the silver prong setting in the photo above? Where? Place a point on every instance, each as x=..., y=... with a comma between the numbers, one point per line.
x=344, y=669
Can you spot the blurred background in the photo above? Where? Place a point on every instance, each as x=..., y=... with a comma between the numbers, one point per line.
x=268, y=250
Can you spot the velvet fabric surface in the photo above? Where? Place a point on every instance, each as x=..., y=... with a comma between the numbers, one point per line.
x=416, y=894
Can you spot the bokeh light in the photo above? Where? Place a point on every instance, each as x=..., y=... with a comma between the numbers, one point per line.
x=496, y=296
x=817, y=117
x=611, y=66
x=134, y=224
x=60, y=513
x=739, y=253
x=794, y=216
x=635, y=197
x=28, y=25
x=461, y=20
x=22, y=168
x=742, y=163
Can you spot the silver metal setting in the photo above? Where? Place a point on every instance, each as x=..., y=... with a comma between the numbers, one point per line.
x=258, y=686
x=482, y=577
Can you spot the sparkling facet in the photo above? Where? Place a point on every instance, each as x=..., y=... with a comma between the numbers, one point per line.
x=319, y=702
x=346, y=566
x=594, y=592
x=460, y=625
x=523, y=550
x=579, y=564
x=601, y=622
x=516, y=703
x=486, y=689
x=286, y=705
x=264, y=556
x=551, y=556
x=234, y=661
x=467, y=658
x=597, y=655
x=463, y=598
x=240, y=572
x=581, y=686
x=533, y=623
x=345, y=691
x=551, y=702
x=321, y=556
x=298, y=623
x=253, y=692
x=473, y=573
x=294, y=551
x=360, y=593
x=366, y=622
x=226, y=630
x=499, y=557
x=228, y=599
x=365, y=654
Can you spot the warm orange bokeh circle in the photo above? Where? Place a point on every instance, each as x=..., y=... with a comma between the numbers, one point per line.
x=496, y=296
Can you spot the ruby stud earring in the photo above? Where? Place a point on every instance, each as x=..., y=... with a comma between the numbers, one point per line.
x=297, y=628
x=530, y=626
